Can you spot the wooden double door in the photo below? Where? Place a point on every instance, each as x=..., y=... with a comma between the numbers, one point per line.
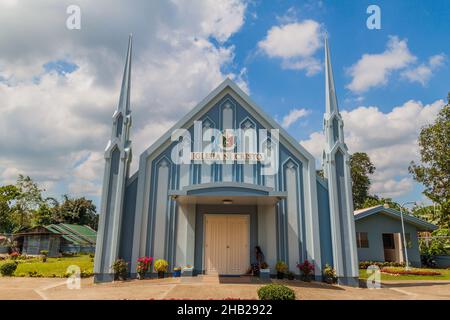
x=227, y=240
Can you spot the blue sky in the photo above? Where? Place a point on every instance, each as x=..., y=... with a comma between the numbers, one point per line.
x=425, y=25
x=59, y=87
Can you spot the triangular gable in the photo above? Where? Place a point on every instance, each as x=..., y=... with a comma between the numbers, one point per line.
x=228, y=83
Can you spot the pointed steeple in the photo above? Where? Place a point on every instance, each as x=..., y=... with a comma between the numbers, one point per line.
x=330, y=93
x=336, y=169
x=118, y=155
x=124, y=100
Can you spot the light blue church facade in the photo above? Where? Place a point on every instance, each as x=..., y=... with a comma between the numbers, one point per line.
x=211, y=214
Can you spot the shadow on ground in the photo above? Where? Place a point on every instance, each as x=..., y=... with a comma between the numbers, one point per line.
x=291, y=283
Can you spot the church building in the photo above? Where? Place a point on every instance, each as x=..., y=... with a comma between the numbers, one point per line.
x=224, y=179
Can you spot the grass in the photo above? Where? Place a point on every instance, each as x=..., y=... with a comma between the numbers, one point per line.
x=54, y=267
x=445, y=275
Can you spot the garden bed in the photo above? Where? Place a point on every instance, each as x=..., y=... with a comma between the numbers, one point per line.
x=413, y=272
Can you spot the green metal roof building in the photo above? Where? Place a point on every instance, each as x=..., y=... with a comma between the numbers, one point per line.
x=57, y=238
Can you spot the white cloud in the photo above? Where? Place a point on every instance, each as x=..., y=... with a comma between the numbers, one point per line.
x=374, y=69
x=293, y=116
x=390, y=140
x=424, y=71
x=295, y=43
x=56, y=127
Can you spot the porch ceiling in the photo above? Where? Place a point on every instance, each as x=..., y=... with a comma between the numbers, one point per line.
x=227, y=192
x=235, y=200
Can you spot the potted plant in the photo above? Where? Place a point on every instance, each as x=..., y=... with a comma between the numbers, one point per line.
x=143, y=265
x=120, y=268
x=281, y=268
x=255, y=269
x=161, y=266
x=177, y=272
x=187, y=271
x=306, y=270
x=290, y=275
x=329, y=274
x=44, y=254
x=264, y=271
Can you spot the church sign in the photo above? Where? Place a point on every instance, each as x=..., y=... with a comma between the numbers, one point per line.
x=242, y=146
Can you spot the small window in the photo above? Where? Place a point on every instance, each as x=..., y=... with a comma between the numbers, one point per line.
x=362, y=240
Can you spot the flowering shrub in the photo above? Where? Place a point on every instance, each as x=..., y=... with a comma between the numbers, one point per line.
x=306, y=268
x=329, y=274
x=120, y=268
x=161, y=265
x=14, y=255
x=143, y=265
x=281, y=266
x=415, y=272
x=379, y=264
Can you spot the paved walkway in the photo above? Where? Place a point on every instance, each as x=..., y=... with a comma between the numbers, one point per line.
x=211, y=288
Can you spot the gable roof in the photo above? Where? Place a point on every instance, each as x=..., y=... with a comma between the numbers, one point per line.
x=228, y=83
x=421, y=225
x=76, y=234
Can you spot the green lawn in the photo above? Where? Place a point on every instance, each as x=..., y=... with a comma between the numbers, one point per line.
x=445, y=275
x=54, y=267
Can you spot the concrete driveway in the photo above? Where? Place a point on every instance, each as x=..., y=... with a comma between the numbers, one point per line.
x=212, y=288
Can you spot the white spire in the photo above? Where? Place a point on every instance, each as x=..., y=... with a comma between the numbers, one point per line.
x=330, y=93
x=124, y=100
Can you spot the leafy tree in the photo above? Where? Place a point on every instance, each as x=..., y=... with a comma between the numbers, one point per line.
x=28, y=200
x=45, y=214
x=361, y=168
x=437, y=244
x=431, y=214
x=8, y=195
x=434, y=170
x=77, y=211
x=372, y=201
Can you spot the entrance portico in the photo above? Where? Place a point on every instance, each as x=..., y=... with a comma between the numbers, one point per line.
x=219, y=225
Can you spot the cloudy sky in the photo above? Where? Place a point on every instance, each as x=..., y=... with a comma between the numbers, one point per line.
x=60, y=87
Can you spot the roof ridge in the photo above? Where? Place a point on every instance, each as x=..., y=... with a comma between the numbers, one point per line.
x=76, y=233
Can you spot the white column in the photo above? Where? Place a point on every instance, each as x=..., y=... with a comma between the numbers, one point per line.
x=185, y=235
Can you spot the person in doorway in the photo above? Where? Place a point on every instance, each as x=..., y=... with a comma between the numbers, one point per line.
x=259, y=256
x=255, y=267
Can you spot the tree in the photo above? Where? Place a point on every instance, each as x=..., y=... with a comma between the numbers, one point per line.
x=372, y=201
x=434, y=169
x=431, y=213
x=77, y=211
x=28, y=200
x=361, y=168
x=46, y=213
x=8, y=194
